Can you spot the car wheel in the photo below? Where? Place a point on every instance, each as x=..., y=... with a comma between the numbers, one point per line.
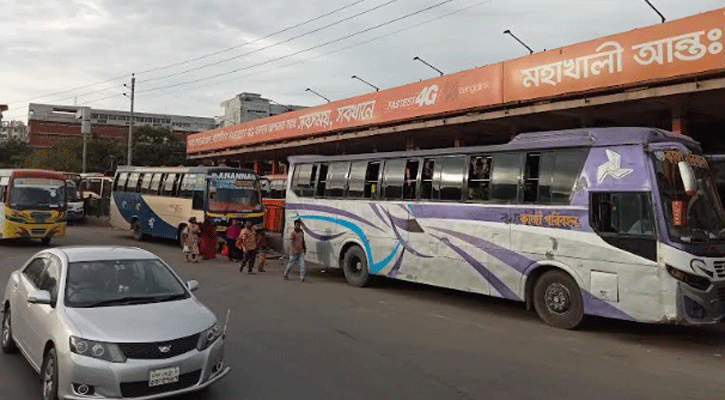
x=6, y=336
x=137, y=230
x=355, y=267
x=49, y=376
x=558, y=300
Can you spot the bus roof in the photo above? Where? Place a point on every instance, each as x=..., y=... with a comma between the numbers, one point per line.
x=32, y=173
x=587, y=137
x=180, y=170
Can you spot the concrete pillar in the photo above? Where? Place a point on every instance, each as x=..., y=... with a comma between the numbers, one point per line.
x=257, y=167
x=275, y=167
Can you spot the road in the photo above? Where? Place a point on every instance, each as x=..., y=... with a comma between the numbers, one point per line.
x=327, y=340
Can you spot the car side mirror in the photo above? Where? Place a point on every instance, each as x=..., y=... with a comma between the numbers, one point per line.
x=192, y=285
x=39, y=297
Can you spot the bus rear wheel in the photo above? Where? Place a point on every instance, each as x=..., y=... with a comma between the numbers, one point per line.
x=355, y=267
x=137, y=230
x=558, y=300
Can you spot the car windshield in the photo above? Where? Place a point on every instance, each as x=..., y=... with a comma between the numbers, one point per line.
x=694, y=217
x=233, y=196
x=37, y=193
x=121, y=282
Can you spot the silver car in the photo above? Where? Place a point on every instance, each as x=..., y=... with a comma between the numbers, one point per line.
x=110, y=322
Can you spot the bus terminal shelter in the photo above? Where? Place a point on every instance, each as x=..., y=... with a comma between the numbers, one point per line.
x=669, y=76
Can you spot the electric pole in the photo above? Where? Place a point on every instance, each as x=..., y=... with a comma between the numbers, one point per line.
x=130, y=123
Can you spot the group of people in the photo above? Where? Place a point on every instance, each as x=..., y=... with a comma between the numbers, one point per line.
x=243, y=244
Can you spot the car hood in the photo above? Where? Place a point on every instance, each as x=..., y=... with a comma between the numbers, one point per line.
x=155, y=322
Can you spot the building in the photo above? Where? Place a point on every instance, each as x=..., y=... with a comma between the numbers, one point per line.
x=246, y=107
x=50, y=124
x=13, y=130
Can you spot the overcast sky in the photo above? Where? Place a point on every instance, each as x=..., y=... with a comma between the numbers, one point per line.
x=69, y=46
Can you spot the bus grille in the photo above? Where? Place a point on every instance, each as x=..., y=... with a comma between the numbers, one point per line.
x=720, y=268
x=38, y=232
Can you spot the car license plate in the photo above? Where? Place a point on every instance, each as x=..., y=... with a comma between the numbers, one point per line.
x=164, y=376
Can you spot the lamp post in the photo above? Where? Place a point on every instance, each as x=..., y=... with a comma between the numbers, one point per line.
x=508, y=32
x=312, y=91
x=366, y=82
x=416, y=58
x=130, y=123
x=656, y=10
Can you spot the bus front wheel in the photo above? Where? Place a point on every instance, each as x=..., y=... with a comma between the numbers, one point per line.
x=558, y=300
x=137, y=230
x=355, y=267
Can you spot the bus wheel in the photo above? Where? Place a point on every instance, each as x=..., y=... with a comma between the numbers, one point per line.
x=45, y=241
x=137, y=230
x=355, y=267
x=558, y=300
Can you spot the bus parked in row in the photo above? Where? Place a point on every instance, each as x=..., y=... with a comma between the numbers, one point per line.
x=33, y=204
x=273, y=194
x=616, y=222
x=159, y=201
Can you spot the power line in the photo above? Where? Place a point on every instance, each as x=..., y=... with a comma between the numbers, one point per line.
x=254, y=40
x=343, y=48
x=185, y=61
x=271, y=45
x=303, y=51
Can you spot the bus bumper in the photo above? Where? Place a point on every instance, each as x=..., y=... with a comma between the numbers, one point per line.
x=698, y=307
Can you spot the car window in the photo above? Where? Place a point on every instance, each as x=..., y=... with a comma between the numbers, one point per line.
x=34, y=271
x=51, y=277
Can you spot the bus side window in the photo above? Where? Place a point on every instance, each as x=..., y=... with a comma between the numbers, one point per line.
x=169, y=185
x=336, y=179
x=393, y=179
x=426, y=179
x=452, y=178
x=505, y=176
x=155, y=183
x=372, y=177
x=186, y=186
x=531, y=177
x=197, y=202
x=626, y=214
x=321, y=180
x=132, y=182
x=3, y=189
x=120, y=185
x=303, y=180
x=146, y=182
x=411, y=179
x=479, y=178
x=356, y=180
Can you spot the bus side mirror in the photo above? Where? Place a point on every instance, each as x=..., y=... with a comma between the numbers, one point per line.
x=688, y=177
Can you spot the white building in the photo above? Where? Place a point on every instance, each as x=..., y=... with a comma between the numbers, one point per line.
x=246, y=107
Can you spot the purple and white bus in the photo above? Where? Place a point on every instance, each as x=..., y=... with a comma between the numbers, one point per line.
x=616, y=222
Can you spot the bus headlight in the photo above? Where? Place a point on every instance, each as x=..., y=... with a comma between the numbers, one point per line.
x=697, y=282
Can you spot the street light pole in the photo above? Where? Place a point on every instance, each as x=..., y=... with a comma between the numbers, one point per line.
x=366, y=82
x=656, y=10
x=312, y=91
x=130, y=124
x=423, y=61
x=508, y=32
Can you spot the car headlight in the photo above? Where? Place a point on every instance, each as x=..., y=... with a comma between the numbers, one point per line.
x=100, y=350
x=697, y=282
x=208, y=337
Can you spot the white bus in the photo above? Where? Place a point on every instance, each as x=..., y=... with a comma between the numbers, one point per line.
x=159, y=201
x=616, y=222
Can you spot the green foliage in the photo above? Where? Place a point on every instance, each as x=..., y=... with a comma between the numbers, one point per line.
x=68, y=155
x=157, y=146
x=13, y=153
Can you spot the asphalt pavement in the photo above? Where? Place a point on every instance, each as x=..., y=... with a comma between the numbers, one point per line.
x=396, y=340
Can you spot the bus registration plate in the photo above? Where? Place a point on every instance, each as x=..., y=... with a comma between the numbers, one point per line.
x=163, y=376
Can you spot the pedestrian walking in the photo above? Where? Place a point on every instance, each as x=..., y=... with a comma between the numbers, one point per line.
x=298, y=248
x=232, y=235
x=208, y=240
x=261, y=248
x=247, y=241
x=191, y=240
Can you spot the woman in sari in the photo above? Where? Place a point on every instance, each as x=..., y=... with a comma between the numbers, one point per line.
x=191, y=240
x=208, y=240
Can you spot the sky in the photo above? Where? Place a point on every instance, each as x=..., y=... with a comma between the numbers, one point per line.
x=189, y=56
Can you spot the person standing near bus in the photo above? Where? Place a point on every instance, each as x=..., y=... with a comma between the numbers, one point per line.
x=261, y=248
x=191, y=240
x=232, y=234
x=297, y=250
x=247, y=241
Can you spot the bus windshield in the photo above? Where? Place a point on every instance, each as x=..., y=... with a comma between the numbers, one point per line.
x=233, y=196
x=72, y=192
x=37, y=193
x=694, y=217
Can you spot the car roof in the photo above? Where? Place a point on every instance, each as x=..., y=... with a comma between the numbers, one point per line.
x=103, y=253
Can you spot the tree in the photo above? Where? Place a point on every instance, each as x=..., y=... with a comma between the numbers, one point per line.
x=68, y=155
x=13, y=153
x=155, y=147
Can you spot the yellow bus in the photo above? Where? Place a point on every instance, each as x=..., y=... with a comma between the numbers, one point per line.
x=33, y=204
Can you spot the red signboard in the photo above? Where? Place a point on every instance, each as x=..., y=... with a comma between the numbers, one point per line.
x=468, y=89
x=688, y=46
